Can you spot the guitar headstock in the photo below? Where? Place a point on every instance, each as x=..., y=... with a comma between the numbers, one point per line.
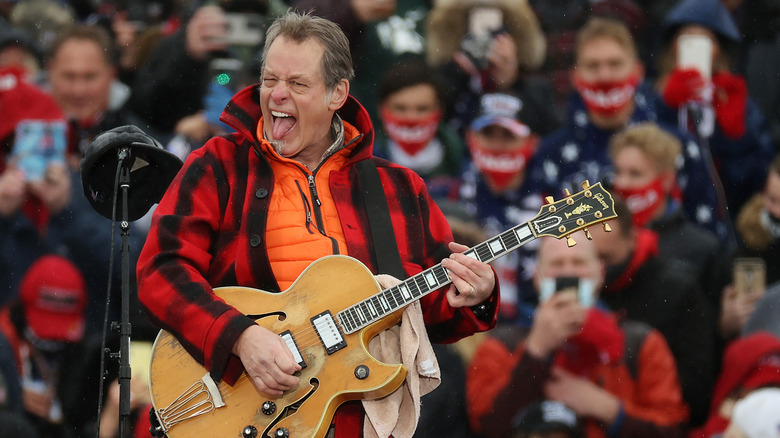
x=559, y=219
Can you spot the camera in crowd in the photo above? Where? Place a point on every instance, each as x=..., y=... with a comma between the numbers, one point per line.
x=484, y=24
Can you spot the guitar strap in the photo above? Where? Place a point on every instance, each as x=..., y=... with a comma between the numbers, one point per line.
x=388, y=259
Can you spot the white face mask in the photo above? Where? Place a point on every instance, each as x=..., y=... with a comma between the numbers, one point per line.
x=771, y=224
x=585, y=288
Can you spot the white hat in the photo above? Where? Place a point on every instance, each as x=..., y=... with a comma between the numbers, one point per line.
x=758, y=414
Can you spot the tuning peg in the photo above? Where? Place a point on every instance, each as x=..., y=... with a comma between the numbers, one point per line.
x=549, y=199
x=587, y=234
x=570, y=241
x=585, y=184
x=568, y=193
x=606, y=227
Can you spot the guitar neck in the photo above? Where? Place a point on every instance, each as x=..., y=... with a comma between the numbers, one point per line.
x=414, y=288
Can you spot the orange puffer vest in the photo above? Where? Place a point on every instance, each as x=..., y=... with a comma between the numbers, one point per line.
x=305, y=225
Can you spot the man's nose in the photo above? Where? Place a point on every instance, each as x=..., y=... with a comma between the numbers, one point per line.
x=280, y=92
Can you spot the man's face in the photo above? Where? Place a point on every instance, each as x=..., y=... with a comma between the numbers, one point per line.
x=633, y=169
x=604, y=60
x=297, y=108
x=415, y=102
x=557, y=259
x=614, y=247
x=80, y=79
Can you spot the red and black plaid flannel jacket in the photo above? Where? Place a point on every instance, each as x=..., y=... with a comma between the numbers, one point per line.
x=208, y=232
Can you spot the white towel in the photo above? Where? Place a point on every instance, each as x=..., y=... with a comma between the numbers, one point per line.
x=398, y=413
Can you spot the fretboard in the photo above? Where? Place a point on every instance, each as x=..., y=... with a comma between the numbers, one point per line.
x=413, y=288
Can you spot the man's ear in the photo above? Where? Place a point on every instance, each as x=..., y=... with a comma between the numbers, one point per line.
x=339, y=95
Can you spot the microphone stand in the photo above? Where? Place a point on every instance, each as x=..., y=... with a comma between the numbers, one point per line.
x=124, y=325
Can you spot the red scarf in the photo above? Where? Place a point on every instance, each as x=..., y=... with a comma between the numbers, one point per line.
x=646, y=248
x=601, y=341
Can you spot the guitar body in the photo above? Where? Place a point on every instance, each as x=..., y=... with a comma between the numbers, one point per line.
x=332, y=284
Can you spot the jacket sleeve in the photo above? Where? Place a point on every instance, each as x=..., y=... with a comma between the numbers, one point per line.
x=445, y=323
x=174, y=263
x=657, y=408
x=501, y=383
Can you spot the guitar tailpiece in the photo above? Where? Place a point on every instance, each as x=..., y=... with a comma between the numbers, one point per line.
x=155, y=429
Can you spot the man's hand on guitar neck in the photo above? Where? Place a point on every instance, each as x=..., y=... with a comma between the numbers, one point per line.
x=267, y=360
x=472, y=281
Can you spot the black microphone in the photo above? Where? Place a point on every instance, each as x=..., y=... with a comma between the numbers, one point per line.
x=151, y=169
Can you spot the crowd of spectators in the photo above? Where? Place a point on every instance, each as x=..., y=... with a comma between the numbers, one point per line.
x=498, y=105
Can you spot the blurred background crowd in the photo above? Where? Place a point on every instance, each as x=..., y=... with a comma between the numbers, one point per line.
x=668, y=326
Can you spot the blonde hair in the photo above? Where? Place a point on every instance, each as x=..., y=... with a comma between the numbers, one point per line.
x=601, y=27
x=661, y=147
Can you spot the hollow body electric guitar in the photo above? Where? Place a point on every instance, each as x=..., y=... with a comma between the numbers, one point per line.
x=328, y=332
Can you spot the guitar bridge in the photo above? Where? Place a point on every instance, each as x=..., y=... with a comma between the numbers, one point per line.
x=200, y=398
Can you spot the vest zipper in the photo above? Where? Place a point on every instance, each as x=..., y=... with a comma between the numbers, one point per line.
x=317, y=211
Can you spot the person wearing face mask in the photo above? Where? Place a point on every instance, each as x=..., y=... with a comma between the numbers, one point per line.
x=618, y=376
x=607, y=76
x=664, y=294
x=710, y=100
x=493, y=188
x=758, y=224
x=645, y=161
x=413, y=135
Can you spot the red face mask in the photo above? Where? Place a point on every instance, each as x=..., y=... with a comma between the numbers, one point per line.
x=607, y=98
x=643, y=201
x=411, y=134
x=500, y=167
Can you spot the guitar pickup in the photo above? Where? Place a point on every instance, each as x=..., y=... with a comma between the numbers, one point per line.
x=293, y=346
x=328, y=331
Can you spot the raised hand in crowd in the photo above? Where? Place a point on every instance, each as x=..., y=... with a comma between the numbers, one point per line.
x=206, y=32
x=12, y=191
x=735, y=309
x=556, y=320
x=55, y=189
x=503, y=63
x=373, y=10
x=582, y=396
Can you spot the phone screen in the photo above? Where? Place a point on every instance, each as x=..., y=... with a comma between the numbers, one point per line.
x=695, y=51
x=749, y=275
x=37, y=144
x=583, y=287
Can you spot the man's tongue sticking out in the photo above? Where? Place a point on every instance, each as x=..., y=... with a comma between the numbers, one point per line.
x=282, y=125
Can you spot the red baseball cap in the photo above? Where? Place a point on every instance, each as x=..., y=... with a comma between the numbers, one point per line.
x=54, y=296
